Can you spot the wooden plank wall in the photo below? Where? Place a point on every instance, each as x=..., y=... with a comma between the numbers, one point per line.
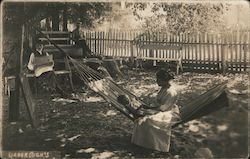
x=201, y=51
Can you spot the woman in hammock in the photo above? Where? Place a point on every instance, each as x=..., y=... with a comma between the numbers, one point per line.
x=165, y=100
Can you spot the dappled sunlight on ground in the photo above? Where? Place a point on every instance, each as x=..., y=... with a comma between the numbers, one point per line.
x=85, y=126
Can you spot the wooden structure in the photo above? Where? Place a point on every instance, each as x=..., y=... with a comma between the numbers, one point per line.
x=228, y=51
x=63, y=39
x=14, y=83
x=154, y=48
x=28, y=99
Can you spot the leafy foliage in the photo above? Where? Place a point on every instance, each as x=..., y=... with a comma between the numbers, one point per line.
x=86, y=13
x=33, y=12
x=180, y=17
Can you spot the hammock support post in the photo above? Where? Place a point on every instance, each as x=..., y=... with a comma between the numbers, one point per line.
x=15, y=92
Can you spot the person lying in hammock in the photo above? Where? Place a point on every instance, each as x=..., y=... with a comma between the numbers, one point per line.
x=165, y=100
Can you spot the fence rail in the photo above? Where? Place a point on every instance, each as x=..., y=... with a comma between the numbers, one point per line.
x=201, y=51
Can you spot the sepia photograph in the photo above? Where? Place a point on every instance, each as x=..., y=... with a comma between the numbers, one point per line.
x=105, y=79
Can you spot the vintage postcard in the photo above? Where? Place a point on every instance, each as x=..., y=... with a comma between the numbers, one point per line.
x=106, y=79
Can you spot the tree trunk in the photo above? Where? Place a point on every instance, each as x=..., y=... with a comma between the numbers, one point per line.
x=55, y=20
x=65, y=19
x=112, y=67
x=48, y=28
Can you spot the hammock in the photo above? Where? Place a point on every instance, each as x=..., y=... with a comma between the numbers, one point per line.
x=148, y=132
x=210, y=101
x=206, y=103
x=151, y=134
x=105, y=87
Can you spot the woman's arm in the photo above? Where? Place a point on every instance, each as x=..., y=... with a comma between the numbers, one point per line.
x=31, y=62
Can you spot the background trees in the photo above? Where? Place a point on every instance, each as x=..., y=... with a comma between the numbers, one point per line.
x=180, y=17
x=57, y=15
x=33, y=12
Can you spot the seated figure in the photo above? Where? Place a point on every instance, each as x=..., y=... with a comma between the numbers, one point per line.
x=165, y=100
x=40, y=61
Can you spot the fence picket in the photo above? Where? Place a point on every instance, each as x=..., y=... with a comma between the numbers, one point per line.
x=191, y=50
x=231, y=52
x=99, y=42
x=199, y=50
x=203, y=50
x=188, y=51
x=245, y=51
x=217, y=51
x=209, y=51
x=196, y=38
x=239, y=51
x=236, y=51
x=185, y=46
x=112, y=46
x=212, y=51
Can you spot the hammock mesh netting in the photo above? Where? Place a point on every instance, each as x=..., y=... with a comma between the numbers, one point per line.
x=105, y=87
x=208, y=102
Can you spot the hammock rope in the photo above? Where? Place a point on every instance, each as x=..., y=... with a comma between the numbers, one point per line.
x=90, y=76
x=110, y=90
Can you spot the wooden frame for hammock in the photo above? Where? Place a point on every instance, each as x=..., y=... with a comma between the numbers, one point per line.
x=67, y=70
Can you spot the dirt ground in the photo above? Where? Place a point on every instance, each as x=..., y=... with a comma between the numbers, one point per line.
x=92, y=128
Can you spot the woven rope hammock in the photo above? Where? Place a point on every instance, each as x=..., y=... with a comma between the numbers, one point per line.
x=208, y=102
x=205, y=103
x=105, y=87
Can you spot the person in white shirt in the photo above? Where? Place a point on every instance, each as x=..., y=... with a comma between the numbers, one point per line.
x=165, y=100
x=41, y=62
x=37, y=53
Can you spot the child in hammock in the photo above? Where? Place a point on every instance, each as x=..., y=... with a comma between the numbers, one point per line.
x=165, y=100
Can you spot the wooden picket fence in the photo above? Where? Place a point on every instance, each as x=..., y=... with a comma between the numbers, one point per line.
x=201, y=51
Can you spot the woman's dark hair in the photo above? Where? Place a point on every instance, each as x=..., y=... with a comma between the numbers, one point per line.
x=123, y=99
x=164, y=75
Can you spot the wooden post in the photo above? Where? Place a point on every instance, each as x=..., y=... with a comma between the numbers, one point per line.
x=47, y=24
x=95, y=42
x=223, y=55
x=55, y=20
x=245, y=47
x=217, y=52
x=188, y=50
x=22, y=49
x=132, y=53
x=15, y=93
x=65, y=19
